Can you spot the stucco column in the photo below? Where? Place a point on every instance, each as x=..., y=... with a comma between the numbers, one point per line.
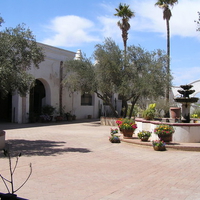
x=61, y=88
x=23, y=109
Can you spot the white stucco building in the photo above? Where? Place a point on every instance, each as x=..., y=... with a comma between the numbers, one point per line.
x=47, y=91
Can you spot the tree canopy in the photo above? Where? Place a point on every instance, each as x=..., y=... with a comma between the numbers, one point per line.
x=18, y=51
x=144, y=76
x=125, y=13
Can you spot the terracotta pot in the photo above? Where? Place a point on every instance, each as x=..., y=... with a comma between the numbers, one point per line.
x=127, y=133
x=175, y=112
x=8, y=196
x=144, y=139
x=114, y=140
x=159, y=148
x=165, y=138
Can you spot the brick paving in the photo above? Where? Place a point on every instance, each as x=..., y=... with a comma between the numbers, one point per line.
x=77, y=162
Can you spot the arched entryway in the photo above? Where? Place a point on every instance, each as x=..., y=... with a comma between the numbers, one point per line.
x=37, y=95
x=6, y=108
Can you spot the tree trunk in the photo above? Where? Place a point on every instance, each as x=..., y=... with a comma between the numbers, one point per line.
x=109, y=103
x=132, y=105
x=168, y=60
x=125, y=104
x=113, y=110
x=124, y=36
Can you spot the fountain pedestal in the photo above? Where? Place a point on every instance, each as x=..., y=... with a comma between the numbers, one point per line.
x=186, y=101
x=185, y=112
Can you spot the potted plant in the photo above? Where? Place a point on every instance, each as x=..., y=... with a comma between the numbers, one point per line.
x=47, y=113
x=127, y=126
x=58, y=118
x=73, y=117
x=45, y=118
x=144, y=135
x=69, y=116
x=114, y=138
x=194, y=116
x=48, y=110
x=158, y=145
x=149, y=113
x=164, y=132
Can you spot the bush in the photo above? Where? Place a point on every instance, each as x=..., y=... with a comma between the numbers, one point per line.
x=48, y=110
x=149, y=113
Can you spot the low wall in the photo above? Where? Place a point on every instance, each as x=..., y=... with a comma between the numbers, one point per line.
x=184, y=132
x=2, y=139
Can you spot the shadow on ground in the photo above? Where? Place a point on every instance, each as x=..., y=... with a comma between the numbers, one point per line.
x=9, y=126
x=40, y=148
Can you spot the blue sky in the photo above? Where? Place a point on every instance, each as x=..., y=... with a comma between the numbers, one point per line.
x=79, y=24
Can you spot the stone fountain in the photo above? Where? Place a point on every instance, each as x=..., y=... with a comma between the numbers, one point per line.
x=186, y=101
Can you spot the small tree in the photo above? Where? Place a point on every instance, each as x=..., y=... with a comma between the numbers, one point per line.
x=102, y=78
x=144, y=76
x=12, y=171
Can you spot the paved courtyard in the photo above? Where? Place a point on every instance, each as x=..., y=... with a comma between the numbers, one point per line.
x=77, y=162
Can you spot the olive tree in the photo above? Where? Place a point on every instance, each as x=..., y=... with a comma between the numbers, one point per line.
x=145, y=75
x=102, y=78
x=18, y=51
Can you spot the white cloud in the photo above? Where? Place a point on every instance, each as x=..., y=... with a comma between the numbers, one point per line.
x=70, y=31
x=150, y=17
x=109, y=27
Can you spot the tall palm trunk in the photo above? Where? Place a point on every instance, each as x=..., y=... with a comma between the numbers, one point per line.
x=125, y=47
x=168, y=60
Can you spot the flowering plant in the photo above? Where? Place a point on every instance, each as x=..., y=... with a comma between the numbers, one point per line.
x=158, y=143
x=125, y=123
x=194, y=116
x=113, y=131
x=114, y=138
x=144, y=134
x=45, y=118
x=164, y=129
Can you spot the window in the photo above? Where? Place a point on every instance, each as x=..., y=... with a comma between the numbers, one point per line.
x=86, y=99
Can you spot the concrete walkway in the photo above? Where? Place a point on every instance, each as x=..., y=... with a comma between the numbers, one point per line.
x=77, y=162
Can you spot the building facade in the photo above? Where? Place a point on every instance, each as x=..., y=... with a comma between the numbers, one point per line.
x=48, y=91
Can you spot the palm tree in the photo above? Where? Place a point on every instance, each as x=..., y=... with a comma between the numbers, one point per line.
x=164, y=4
x=125, y=13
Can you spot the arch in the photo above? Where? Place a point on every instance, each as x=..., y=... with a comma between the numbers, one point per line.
x=6, y=108
x=39, y=96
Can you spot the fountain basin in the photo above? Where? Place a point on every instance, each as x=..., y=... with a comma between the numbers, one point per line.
x=186, y=87
x=184, y=132
x=186, y=100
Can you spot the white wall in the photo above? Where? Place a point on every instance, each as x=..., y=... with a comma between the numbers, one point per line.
x=49, y=74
